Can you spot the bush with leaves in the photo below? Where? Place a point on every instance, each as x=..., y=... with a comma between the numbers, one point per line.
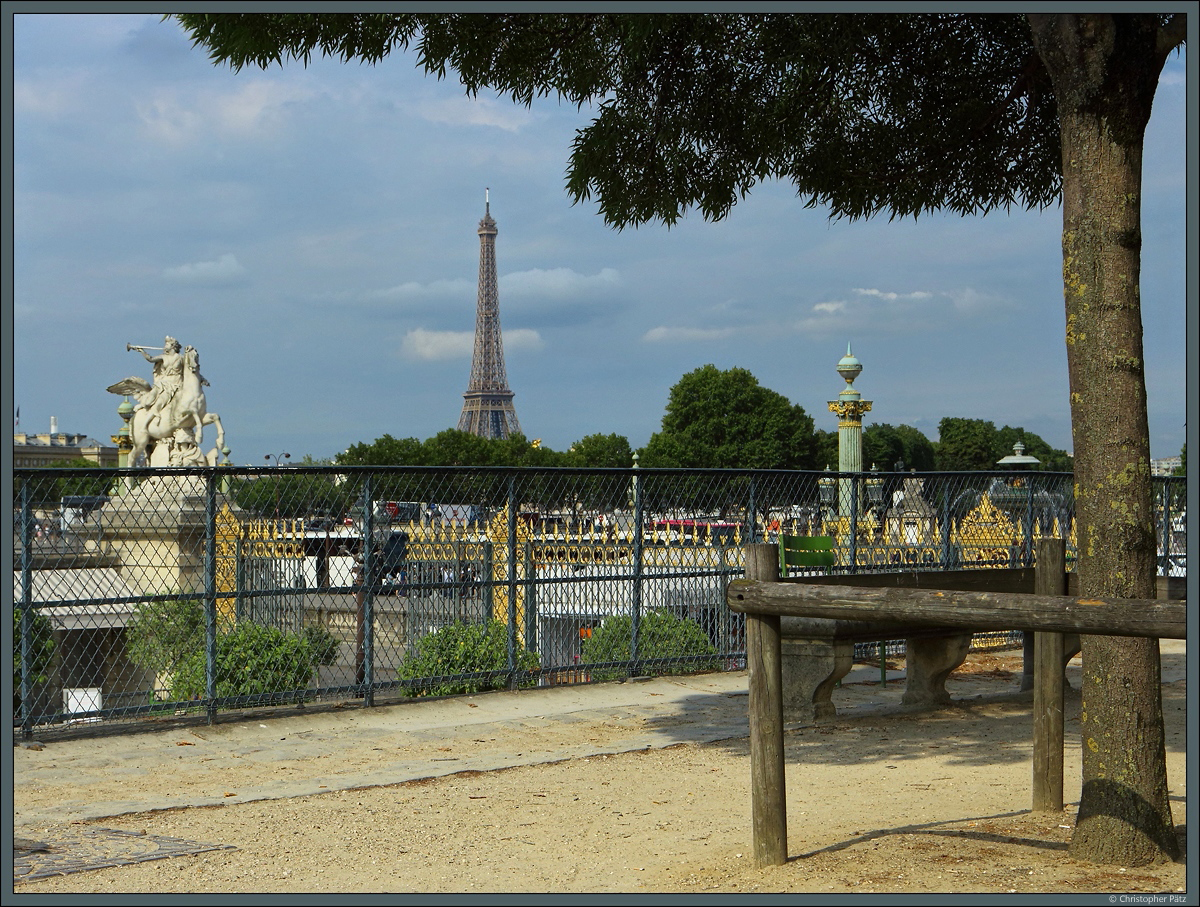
x=41, y=649
x=161, y=634
x=322, y=643
x=251, y=659
x=462, y=648
x=660, y=635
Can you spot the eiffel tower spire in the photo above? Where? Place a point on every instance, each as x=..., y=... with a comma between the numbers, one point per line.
x=487, y=405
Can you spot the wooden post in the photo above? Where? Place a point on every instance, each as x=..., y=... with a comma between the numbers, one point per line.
x=1048, y=685
x=768, y=803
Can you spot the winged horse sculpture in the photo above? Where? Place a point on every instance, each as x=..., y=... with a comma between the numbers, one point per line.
x=179, y=422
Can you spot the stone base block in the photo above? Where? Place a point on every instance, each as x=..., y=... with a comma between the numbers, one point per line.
x=928, y=662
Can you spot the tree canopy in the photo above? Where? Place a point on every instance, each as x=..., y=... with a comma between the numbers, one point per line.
x=866, y=114
x=969, y=444
x=726, y=420
x=884, y=445
x=611, y=451
x=694, y=110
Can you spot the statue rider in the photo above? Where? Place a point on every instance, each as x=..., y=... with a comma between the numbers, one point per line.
x=168, y=379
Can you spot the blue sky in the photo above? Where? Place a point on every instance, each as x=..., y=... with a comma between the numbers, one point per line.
x=312, y=233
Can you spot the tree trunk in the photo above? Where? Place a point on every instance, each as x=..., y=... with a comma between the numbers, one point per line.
x=1105, y=69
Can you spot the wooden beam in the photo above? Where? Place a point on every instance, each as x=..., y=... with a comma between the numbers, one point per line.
x=1001, y=579
x=1048, y=687
x=768, y=803
x=978, y=611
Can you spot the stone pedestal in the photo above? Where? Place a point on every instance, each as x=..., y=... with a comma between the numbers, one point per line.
x=928, y=663
x=157, y=532
x=818, y=652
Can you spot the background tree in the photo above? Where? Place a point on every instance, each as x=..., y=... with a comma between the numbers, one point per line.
x=826, y=444
x=601, y=451
x=294, y=495
x=385, y=451
x=918, y=449
x=973, y=444
x=95, y=485
x=966, y=444
x=882, y=446
x=726, y=420
x=867, y=114
x=1052, y=459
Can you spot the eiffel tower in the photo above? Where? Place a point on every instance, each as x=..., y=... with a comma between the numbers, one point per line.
x=487, y=405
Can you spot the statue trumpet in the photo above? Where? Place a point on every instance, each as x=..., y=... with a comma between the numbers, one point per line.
x=130, y=346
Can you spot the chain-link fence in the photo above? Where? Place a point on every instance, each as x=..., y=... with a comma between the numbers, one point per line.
x=156, y=592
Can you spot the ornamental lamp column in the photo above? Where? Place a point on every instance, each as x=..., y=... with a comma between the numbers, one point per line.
x=124, y=441
x=849, y=407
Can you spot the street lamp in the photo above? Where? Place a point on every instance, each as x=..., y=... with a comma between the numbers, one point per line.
x=827, y=491
x=277, y=457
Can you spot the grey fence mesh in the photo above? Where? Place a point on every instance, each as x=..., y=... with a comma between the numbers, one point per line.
x=140, y=593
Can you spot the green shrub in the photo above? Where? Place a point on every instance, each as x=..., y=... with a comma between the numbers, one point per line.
x=251, y=659
x=660, y=635
x=322, y=643
x=41, y=649
x=162, y=634
x=462, y=648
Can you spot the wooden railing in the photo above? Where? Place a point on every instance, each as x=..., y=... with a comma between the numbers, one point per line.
x=764, y=598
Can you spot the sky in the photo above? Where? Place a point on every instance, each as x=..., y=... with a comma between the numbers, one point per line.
x=312, y=233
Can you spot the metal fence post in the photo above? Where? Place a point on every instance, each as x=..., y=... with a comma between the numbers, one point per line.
x=636, y=596
x=239, y=579
x=210, y=595
x=947, y=553
x=456, y=602
x=1165, y=552
x=531, y=634
x=488, y=580
x=367, y=611
x=512, y=581
x=1029, y=523
x=751, y=516
x=26, y=612
x=854, y=525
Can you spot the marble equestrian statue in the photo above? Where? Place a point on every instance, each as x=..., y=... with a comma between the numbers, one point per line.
x=167, y=426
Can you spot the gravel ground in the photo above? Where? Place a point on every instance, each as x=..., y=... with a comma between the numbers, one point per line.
x=879, y=800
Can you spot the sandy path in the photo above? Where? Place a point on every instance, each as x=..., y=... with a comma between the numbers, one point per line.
x=879, y=801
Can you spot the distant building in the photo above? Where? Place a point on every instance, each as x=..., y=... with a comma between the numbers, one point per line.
x=1165, y=466
x=57, y=447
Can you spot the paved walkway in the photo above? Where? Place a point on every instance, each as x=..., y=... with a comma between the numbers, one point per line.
x=247, y=757
x=339, y=749
x=244, y=757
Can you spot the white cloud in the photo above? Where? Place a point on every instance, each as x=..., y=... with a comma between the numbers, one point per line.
x=890, y=296
x=877, y=311
x=253, y=108
x=435, y=345
x=968, y=301
x=685, y=335
x=430, y=345
x=465, y=111
x=522, y=339
x=48, y=98
x=413, y=290
x=557, y=282
x=225, y=269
